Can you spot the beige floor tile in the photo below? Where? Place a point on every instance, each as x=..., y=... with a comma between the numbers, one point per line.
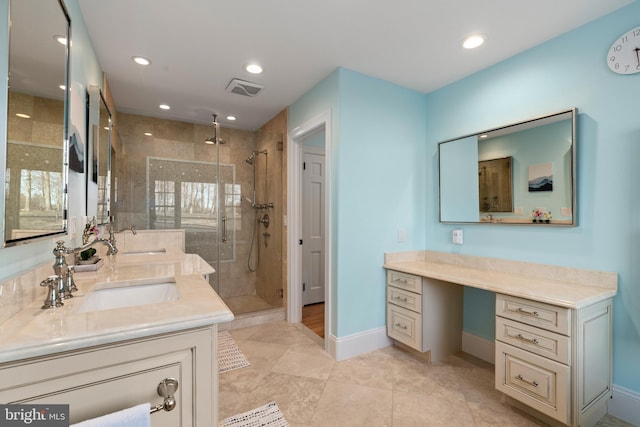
x=354, y=406
x=297, y=397
x=305, y=362
x=439, y=408
x=373, y=369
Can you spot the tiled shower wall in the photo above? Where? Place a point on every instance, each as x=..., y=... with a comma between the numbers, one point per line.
x=185, y=141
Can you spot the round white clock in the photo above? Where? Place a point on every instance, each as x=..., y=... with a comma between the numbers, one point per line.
x=624, y=54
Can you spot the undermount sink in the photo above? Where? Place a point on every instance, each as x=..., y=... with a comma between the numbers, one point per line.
x=146, y=252
x=110, y=295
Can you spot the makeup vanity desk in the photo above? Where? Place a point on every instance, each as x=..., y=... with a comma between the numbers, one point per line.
x=553, y=326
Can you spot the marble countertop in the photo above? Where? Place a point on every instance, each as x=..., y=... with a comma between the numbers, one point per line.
x=36, y=332
x=571, y=288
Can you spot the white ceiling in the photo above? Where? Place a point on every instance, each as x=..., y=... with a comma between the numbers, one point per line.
x=198, y=46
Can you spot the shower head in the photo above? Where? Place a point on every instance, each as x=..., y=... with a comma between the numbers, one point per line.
x=212, y=140
x=251, y=157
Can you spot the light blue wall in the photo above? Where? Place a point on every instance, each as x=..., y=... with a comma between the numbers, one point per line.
x=85, y=70
x=569, y=71
x=377, y=153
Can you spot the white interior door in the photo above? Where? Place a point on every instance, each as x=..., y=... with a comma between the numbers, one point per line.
x=313, y=211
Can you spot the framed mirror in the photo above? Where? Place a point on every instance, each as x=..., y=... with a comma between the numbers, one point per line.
x=99, y=155
x=523, y=173
x=36, y=140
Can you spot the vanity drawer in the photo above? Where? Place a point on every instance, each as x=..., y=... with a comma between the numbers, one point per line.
x=536, y=340
x=541, y=315
x=405, y=326
x=405, y=281
x=536, y=381
x=405, y=299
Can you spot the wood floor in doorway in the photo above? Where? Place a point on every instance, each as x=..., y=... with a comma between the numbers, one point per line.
x=313, y=318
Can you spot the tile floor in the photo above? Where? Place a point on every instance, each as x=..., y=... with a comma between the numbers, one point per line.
x=387, y=387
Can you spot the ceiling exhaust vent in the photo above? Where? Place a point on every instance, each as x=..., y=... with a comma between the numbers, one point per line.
x=243, y=87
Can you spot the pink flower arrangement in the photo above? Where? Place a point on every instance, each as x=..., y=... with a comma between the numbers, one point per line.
x=90, y=229
x=539, y=215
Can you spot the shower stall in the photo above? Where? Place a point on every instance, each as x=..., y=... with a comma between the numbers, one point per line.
x=224, y=187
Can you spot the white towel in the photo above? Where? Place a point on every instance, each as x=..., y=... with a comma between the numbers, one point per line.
x=137, y=416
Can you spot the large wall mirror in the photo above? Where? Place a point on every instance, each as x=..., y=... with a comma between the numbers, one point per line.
x=99, y=155
x=35, y=202
x=522, y=173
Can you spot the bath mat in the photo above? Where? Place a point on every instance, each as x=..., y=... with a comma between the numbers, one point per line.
x=268, y=415
x=229, y=355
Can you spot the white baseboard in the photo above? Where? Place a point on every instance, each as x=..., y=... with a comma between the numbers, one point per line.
x=353, y=345
x=624, y=405
x=479, y=347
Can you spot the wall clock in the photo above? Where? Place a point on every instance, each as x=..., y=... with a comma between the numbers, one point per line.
x=624, y=54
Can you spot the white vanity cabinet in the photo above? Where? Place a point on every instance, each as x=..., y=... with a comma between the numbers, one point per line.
x=417, y=307
x=99, y=380
x=554, y=359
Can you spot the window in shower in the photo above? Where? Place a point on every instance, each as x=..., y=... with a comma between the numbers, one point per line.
x=183, y=194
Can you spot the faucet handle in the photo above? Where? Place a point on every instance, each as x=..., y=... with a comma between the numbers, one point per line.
x=53, y=297
x=71, y=284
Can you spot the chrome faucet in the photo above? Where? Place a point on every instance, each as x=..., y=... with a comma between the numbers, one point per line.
x=112, y=238
x=61, y=284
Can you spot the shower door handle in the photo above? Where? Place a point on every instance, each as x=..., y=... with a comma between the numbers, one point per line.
x=224, y=229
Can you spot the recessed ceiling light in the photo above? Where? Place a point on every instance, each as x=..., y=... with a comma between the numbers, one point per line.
x=231, y=118
x=148, y=134
x=60, y=39
x=141, y=60
x=63, y=87
x=23, y=116
x=473, y=41
x=253, y=68
x=164, y=107
x=483, y=136
x=209, y=141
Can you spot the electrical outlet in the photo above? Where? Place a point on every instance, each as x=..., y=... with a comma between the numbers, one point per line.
x=457, y=236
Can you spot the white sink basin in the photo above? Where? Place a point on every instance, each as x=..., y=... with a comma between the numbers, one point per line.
x=110, y=295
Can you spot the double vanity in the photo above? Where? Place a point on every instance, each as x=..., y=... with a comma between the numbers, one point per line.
x=553, y=326
x=147, y=316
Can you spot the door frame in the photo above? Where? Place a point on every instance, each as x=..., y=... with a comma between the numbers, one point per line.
x=294, y=221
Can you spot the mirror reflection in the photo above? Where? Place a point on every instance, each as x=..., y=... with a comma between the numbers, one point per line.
x=99, y=167
x=35, y=202
x=517, y=174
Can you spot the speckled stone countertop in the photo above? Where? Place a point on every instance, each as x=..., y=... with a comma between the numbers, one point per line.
x=36, y=332
x=561, y=286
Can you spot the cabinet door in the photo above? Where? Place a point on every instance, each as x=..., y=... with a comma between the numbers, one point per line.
x=91, y=400
x=405, y=326
x=105, y=379
x=533, y=380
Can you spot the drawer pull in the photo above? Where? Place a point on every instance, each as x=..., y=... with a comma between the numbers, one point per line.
x=402, y=299
x=399, y=280
x=399, y=325
x=531, y=383
x=527, y=313
x=529, y=340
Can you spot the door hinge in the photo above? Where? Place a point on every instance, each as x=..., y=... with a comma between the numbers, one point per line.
x=304, y=165
x=281, y=293
x=304, y=287
x=300, y=241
